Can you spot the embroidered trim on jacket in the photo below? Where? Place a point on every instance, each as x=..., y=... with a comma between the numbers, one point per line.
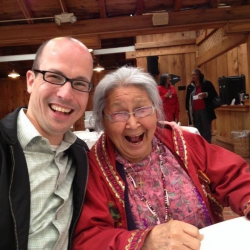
x=215, y=205
x=108, y=171
x=180, y=145
x=135, y=239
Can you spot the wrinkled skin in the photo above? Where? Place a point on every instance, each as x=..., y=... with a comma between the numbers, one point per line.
x=174, y=235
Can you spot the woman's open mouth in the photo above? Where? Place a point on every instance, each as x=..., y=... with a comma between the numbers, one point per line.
x=135, y=139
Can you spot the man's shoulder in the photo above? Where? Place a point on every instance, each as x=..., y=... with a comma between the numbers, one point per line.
x=8, y=125
x=11, y=115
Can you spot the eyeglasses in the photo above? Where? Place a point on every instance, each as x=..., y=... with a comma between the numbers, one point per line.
x=123, y=116
x=58, y=79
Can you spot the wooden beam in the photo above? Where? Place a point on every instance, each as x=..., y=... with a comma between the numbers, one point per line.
x=123, y=26
x=177, y=5
x=214, y=3
x=26, y=11
x=91, y=41
x=240, y=26
x=225, y=45
x=102, y=8
x=204, y=36
x=161, y=51
x=139, y=7
x=164, y=44
x=248, y=63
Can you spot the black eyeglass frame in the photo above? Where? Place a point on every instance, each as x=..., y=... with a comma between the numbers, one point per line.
x=43, y=72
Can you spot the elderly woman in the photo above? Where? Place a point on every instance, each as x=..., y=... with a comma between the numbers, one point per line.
x=152, y=186
x=170, y=101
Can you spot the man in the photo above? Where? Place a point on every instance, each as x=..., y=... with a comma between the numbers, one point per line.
x=43, y=165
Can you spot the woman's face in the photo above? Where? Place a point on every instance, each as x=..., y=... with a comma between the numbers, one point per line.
x=168, y=81
x=195, y=77
x=133, y=137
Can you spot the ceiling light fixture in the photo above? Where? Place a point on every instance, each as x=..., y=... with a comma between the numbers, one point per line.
x=98, y=67
x=65, y=18
x=13, y=74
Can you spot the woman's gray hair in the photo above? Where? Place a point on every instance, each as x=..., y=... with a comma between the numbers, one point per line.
x=123, y=77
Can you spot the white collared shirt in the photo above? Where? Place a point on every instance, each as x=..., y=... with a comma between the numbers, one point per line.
x=51, y=175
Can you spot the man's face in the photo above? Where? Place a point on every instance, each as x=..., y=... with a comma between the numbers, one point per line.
x=53, y=109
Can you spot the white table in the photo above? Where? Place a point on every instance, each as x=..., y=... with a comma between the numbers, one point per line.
x=89, y=137
x=191, y=129
x=232, y=234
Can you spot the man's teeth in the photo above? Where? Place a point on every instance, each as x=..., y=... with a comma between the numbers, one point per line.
x=60, y=109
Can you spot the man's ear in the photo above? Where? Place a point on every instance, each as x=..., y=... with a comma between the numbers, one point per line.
x=30, y=78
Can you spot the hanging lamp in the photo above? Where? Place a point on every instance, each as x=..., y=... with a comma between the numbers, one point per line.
x=98, y=67
x=13, y=74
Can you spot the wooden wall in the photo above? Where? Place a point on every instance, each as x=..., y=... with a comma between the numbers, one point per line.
x=174, y=57
x=231, y=63
x=14, y=93
x=234, y=62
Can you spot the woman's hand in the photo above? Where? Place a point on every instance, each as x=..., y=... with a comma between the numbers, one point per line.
x=202, y=95
x=174, y=235
x=168, y=94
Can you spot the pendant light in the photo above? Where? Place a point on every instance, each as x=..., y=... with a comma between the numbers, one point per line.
x=98, y=67
x=13, y=74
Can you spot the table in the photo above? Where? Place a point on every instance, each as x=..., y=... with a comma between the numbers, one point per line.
x=232, y=234
x=191, y=129
x=89, y=137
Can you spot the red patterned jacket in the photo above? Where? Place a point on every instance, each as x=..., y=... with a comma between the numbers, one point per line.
x=222, y=178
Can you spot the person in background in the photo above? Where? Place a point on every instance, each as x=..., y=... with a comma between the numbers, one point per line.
x=152, y=185
x=169, y=98
x=43, y=165
x=199, y=104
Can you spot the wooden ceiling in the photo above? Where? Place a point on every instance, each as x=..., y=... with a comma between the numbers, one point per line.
x=25, y=24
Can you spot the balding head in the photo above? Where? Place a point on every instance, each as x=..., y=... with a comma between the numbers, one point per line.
x=56, y=43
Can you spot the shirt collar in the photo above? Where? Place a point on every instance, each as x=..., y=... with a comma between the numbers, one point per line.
x=26, y=131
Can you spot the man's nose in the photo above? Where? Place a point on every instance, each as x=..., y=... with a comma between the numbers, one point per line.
x=65, y=91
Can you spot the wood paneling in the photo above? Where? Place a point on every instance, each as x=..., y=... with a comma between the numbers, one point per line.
x=161, y=51
x=164, y=44
x=177, y=60
x=234, y=62
x=13, y=94
x=219, y=49
x=231, y=119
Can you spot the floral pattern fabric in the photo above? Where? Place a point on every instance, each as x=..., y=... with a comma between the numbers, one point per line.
x=186, y=203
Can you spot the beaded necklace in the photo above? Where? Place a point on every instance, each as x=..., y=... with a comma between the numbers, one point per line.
x=168, y=214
